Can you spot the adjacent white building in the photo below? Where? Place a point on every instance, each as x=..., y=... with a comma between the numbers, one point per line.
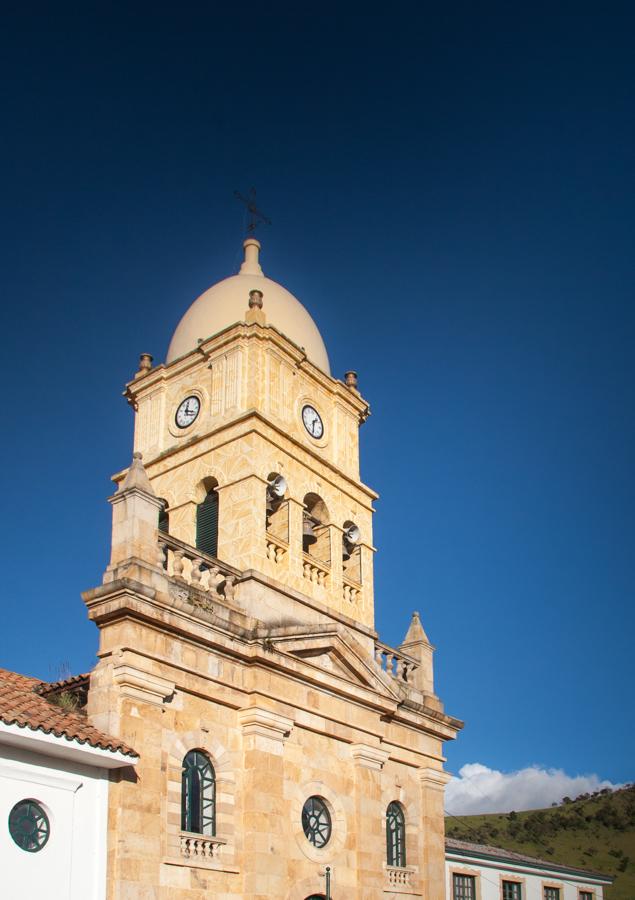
x=53, y=795
x=479, y=872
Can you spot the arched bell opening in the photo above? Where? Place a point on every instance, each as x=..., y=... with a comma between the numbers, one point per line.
x=316, y=538
x=351, y=551
x=277, y=507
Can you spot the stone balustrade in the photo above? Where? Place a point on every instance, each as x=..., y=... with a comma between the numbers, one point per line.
x=399, y=876
x=351, y=590
x=314, y=570
x=277, y=549
x=198, y=569
x=395, y=663
x=200, y=846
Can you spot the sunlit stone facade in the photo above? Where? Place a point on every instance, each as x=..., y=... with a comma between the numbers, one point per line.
x=263, y=655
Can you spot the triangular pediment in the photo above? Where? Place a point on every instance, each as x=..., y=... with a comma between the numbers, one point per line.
x=337, y=655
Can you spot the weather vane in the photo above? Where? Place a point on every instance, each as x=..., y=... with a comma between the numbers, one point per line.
x=255, y=216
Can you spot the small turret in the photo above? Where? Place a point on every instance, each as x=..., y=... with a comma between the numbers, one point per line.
x=417, y=645
x=135, y=517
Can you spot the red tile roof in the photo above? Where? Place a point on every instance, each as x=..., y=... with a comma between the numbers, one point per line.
x=22, y=705
x=48, y=687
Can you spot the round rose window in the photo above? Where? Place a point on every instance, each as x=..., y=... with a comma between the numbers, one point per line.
x=29, y=826
x=316, y=821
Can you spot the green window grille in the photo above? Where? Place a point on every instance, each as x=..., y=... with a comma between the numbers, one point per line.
x=198, y=794
x=395, y=835
x=552, y=893
x=586, y=895
x=29, y=826
x=512, y=890
x=207, y=524
x=463, y=887
x=316, y=821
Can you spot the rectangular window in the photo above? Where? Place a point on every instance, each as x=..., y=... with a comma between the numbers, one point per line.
x=512, y=890
x=586, y=895
x=552, y=893
x=464, y=887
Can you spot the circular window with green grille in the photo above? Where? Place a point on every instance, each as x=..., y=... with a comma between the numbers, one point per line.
x=316, y=821
x=29, y=826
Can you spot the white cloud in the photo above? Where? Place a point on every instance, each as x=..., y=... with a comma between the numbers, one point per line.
x=478, y=789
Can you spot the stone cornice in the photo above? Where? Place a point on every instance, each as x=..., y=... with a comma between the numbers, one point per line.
x=119, y=496
x=241, y=332
x=313, y=459
x=179, y=618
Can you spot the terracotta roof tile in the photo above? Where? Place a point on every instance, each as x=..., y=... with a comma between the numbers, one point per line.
x=49, y=687
x=21, y=705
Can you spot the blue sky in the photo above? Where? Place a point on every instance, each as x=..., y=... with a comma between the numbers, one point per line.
x=451, y=193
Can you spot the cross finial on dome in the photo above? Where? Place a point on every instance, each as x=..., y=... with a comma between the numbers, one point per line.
x=256, y=217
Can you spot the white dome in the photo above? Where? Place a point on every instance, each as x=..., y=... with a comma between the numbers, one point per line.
x=227, y=302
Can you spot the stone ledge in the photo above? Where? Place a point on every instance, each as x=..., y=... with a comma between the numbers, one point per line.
x=199, y=864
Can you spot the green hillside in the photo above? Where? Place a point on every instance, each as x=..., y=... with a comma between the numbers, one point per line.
x=594, y=831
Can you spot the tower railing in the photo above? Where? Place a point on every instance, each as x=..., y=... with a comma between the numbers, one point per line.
x=197, y=569
x=395, y=663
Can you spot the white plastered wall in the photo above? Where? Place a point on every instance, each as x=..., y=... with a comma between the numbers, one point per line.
x=72, y=864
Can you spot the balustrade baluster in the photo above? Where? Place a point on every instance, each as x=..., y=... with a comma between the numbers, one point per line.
x=177, y=564
x=195, y=574
x=229, y=587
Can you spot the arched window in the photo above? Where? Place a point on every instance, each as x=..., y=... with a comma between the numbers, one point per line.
x=207, y=524
x=198, y=794
x=395, y=835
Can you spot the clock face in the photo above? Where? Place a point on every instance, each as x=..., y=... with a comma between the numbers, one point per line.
x=187, y=411
x=312, y=421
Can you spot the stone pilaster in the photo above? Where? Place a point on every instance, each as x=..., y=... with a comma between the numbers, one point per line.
x=370, y=836
x=433, y=782
x=242, y=523
x=263, y=734
x=296, y=509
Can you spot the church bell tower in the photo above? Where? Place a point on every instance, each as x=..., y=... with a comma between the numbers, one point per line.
x=253, y=446
x=277, y=733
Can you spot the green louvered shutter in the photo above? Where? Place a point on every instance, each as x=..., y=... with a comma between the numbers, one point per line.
x=164, y=522
x=207, y=524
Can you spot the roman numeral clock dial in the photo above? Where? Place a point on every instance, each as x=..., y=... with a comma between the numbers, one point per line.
x=312, y=421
